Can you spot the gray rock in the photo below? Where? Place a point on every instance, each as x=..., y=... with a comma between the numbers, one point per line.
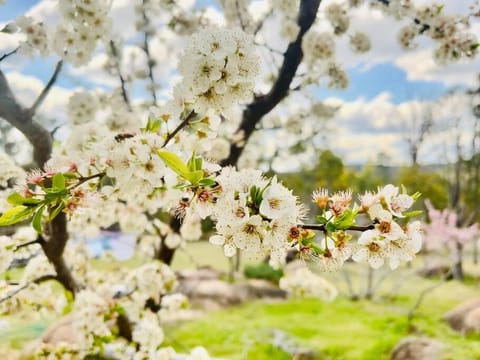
x=203, y=273
x=456, y=318
x=416, y=348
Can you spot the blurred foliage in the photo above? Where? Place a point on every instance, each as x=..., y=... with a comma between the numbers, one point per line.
x=471, y=188
x=431, y=184
x=263, y=271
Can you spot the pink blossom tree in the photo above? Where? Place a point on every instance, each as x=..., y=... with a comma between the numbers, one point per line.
x=445, y=232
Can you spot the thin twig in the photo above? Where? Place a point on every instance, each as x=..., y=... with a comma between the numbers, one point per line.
x=122, y=79
x=269, y=48
x=150, y=61
x=239, y=14
x=87, y=178
x=4, y=56
x=321, y=227
x=38, y=240
x=180, y=126
x=24, y=286
x=414, y=308
x=46, y=89
x=262, y=22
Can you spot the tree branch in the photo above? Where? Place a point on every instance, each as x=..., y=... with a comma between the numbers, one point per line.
x=20, y=117
x=39, y=240
x=150, y=61
x=53, y=249
x=46, y=90
x=321, y=227
x=38, y=280
x=122, y=79
x=180, y=126
x=41, y=140
x=263, y=104
x=4, y=56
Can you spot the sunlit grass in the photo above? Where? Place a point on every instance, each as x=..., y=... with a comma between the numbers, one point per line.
x=343, y=329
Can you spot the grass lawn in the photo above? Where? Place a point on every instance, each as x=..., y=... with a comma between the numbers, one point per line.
x=343, y=329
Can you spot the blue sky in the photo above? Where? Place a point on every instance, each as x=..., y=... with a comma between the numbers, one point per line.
x=363, y=83
x=381, y=81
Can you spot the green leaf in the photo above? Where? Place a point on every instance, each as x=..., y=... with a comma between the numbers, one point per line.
x=37, y=219
x=17, y=199
x=321, y=219
x=55, y=194
x=207, y=182
x=56, y=210
x=330, y=227
x=416, y=196
x=413, y=213
x=194, y=177
x=58, y=181
x=346, y=220
x=256, y=195
x=16, y=215
x=152, y=125
x=198, y=163
x=174, y=162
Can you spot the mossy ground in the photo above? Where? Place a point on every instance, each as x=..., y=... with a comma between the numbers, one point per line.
x=342, y=329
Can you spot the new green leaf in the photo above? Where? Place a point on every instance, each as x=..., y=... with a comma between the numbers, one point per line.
x=16, y=214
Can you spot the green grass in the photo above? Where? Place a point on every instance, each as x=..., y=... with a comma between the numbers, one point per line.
x=339, y=330
x=343, y=329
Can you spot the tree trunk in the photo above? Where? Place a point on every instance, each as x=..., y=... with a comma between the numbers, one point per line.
x=457, y=269
x=41, y=139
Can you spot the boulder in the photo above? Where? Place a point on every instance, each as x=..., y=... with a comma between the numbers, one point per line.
x=206, y=290
x=417, y=348
x=203, y=273
x=435, y=271
x=260, y=289
x=472, y=321
x=456, y=318
x=60, y=331
x=214, y=290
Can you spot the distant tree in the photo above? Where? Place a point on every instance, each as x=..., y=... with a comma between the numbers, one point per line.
x=429, y=183
x=444, y=232
x=329, y=170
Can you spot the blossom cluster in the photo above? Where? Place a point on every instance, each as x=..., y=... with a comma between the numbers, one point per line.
x=218, y=68
x=383, y=240
x=288, y=10
x=75, y=38
x=252, y=213
x=452, y=33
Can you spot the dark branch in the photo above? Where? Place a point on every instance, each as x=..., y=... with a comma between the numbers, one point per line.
x=262, y=22
x=4, y=56
x=20, y=117
x=122, y=79
x=46, y=90
x=263, y=104
x=180, y=126
x=39, y=240
x=150, y=61
x=321, y=227
x=87, y=178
